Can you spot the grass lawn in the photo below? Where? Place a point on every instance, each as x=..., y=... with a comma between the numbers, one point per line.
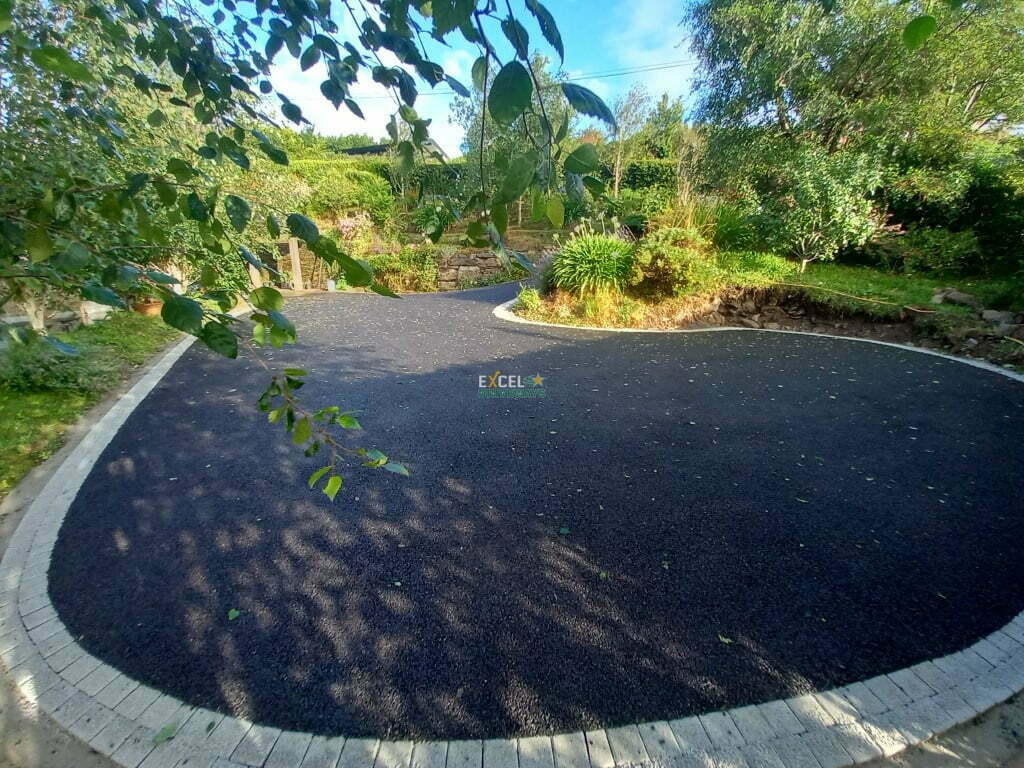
x=33, y=423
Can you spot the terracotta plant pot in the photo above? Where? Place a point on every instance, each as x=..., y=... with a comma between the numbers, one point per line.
x=148, y=307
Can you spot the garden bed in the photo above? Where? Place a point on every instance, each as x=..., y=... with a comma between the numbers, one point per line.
x=841, y=301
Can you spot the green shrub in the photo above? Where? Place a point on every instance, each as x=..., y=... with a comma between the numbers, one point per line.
x=590, y=262
x=666, y=258
x=528, y=299
x=434, y=215
x=635, y=208
x=811, y=204
x=37, y=365
x=407, y=268
x=336, y=187
x=927, y=249
x=645, y=174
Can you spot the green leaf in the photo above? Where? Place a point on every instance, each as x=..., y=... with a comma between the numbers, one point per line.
x=450, y=14
x=315, y=477
x=480, y=73
x=56, y=60
x=516, y=34
x=919, y=30
x=303, y=228
x=518, y=177
x=589, y=103
x=595, y=186
x=156, y=118
x=303, y=431
x=6, y=16
x=165, y=734
x=276, y=154
x=332, y=487
x=555, y=211
x=39, y=244
x=296, y=372
x=183, y=313
x=238, y=211
x=499, y=217
x=383, y=290
x=196, y=208
x=398, y=469
x=374, y=458
x=510, y=93
x=348, y=421
x=267, y=298
x=218, y=337
x=548, y=28
x=233, y=614
x=564, y=530
x=309, y=58
x=161, y=278
x=181, y=170
x=273, y=227
x=101, y=295
x=583, y=159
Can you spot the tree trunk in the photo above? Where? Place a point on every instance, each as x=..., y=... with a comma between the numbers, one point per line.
x=35, y=308
x=617, y=169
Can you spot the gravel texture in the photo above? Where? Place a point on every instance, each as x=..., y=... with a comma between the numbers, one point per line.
x=685, y=522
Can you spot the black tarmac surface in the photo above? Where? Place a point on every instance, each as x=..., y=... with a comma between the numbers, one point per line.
x=685, y=522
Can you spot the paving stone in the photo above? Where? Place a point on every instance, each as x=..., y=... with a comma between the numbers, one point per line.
x=857, y=741
x=429, y=754
x=658, y=740
x=721, y=730
x=887, y=691
x=690, y=735
x=888, y=738
x=61, y=659
x=166, y=710
x=97, y=680
x=47, y=630
x=255, y=746
x=504, y=753
x=80, y=669
x=599, y=750
x=752, y=724
x=986, y=691
x=72, y=709
x=94, y=719
x=762, y=756
x=934, y=677
x=809, y=712
x=165, y=755
x=728, y=757
x=136, y=702
x=135, y=748
x=227, y=736
x=826, y=748
x=112, y=735
x=570, y=751
x=781, y=718
x=974, y=661
x=990, y=652
x=19, y=654
x=116, y=691
x=38, y=618
x=1015, y=629
x=692, y=759
x=394, y=754
x=1004, y=642
x=912, y=685
x=289, y=750
x=467, y=753
x=324, y=752
x=838, y=708
x=198, y=726
x=55, y=696
x=534, y=752
x=953, y=703
x=862, y=699
x=626, y=745
x=957, y=668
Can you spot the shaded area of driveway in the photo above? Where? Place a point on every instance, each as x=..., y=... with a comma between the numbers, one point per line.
x=685, y=522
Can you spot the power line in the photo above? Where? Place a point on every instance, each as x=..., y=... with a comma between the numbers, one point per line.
x=599, y=75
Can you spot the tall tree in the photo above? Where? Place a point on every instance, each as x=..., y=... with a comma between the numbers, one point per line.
x=632, y=112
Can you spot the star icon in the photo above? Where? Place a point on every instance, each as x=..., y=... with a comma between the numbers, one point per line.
x=538, y=380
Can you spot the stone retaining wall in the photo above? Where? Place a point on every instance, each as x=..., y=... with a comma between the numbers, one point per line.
x=459, y=267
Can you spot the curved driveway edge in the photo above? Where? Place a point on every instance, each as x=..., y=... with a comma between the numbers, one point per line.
x=124, y=719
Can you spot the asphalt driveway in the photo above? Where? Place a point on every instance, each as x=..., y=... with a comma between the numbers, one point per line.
x=683, y=522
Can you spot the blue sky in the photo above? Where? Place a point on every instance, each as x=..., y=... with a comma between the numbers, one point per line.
x=600, y=36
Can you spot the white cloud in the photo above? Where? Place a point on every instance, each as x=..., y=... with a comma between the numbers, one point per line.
x=376, y=102
x=648, y=33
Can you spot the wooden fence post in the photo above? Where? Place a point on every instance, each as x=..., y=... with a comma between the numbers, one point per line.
x=255, y=277
x=293, y=251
